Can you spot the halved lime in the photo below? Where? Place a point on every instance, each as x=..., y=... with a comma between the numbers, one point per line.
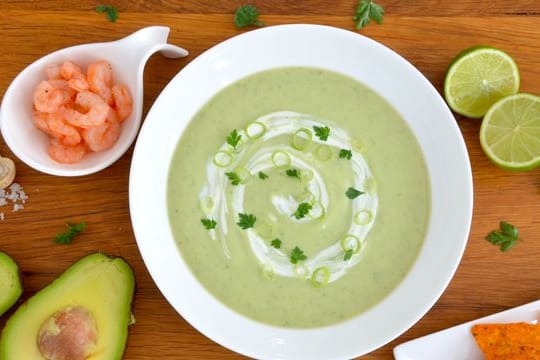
x=477, y=78
x=510, y=132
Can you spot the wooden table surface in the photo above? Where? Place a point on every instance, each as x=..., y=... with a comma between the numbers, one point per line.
x=426, y=32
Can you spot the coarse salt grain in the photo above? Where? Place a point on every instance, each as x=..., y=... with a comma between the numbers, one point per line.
x=16, y=194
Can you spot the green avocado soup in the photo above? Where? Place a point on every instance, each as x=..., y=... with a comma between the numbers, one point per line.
x=298, y=197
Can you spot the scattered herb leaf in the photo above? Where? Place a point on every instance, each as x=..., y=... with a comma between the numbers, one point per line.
x=276, y=243
x=506, y=238
x=302, y=210
x=293, y=173
x=262, y=175
x=110, y=12
x=235, y=179
x=209, y=224
x=67, y=236
x=345, y=154
x=246, y=15
x=367, y=10
x=246, y=221
x=352, y=193
x=297, y=255
x=234, y=138
x=348, y=255
x=322, y=132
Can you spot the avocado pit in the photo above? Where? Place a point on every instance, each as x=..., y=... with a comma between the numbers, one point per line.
x=69, y=334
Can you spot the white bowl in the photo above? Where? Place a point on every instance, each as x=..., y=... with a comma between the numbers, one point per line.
x=30, y=144
x=389, y=75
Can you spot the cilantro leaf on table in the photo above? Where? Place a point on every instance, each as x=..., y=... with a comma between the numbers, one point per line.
x=67, y=236
x=247, y=15
x=110, y=12
x=367, y=10
x=506, y=238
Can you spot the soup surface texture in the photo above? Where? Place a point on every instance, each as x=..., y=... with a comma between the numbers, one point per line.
x=298, y=197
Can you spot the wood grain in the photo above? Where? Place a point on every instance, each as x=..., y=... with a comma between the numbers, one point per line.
x=427, y=33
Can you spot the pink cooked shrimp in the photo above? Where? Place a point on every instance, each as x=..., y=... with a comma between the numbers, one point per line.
x=53, y=71
x=65, y=133
x=104, y=136
x=95, y=111
x=123, y=101
x=100, y=79
x=41, y=121
x=66, y=154
x=47, y=98
x=74, y=75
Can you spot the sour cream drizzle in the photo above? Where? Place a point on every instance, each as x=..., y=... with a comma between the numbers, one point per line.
x=259, y=133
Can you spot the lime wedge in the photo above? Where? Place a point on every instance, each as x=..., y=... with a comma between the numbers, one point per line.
x=477, y=78
x=510, y=132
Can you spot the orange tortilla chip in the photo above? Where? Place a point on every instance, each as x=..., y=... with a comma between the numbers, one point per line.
x=516, y=341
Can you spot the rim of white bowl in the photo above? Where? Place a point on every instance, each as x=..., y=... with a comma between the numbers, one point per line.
x=448, y=167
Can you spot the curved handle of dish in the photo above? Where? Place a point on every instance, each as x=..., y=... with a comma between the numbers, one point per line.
x=147, y=41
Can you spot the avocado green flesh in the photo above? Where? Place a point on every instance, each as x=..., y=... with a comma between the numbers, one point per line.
x=103, y=285
x=10, y=282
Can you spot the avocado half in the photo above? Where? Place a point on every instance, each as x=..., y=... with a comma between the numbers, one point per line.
x=10, y=282
x=91, y=301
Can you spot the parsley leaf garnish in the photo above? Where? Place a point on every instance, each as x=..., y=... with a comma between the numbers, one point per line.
x=348, y=255
x=302, y=210
x=246, y=15
x=367, y=10
x=345, y=154
x=235, y=179
x=246, y=221
x=297, y=255
x=209, y=224
x=67, y=236
x=506, y=238
x=276, y=243
x=322, y=132
x=234, y=138
x=352, y=193
x=110, y=12
x=262, y=175
x=293, y=173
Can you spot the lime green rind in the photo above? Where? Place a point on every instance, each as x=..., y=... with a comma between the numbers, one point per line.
x=10, y=286
x=478, y=110
x=486, y=129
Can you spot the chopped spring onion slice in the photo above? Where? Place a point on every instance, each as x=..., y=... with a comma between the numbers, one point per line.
x=243, y=173
x=303, y=196
x=301, y=270
x=255, y=130
x=268, y=272
x=317, y=210
x=363, y=217
x=306, y=175
x=266, y=230
x=323, y=152
x=207, y=204
x=370, y=186
x=351, y=242
x=301, y=139
x=222, y=158
x=320, y=277
x=281, y=159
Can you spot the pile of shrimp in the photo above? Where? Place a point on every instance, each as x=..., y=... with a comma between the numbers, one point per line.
x=80, y=112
